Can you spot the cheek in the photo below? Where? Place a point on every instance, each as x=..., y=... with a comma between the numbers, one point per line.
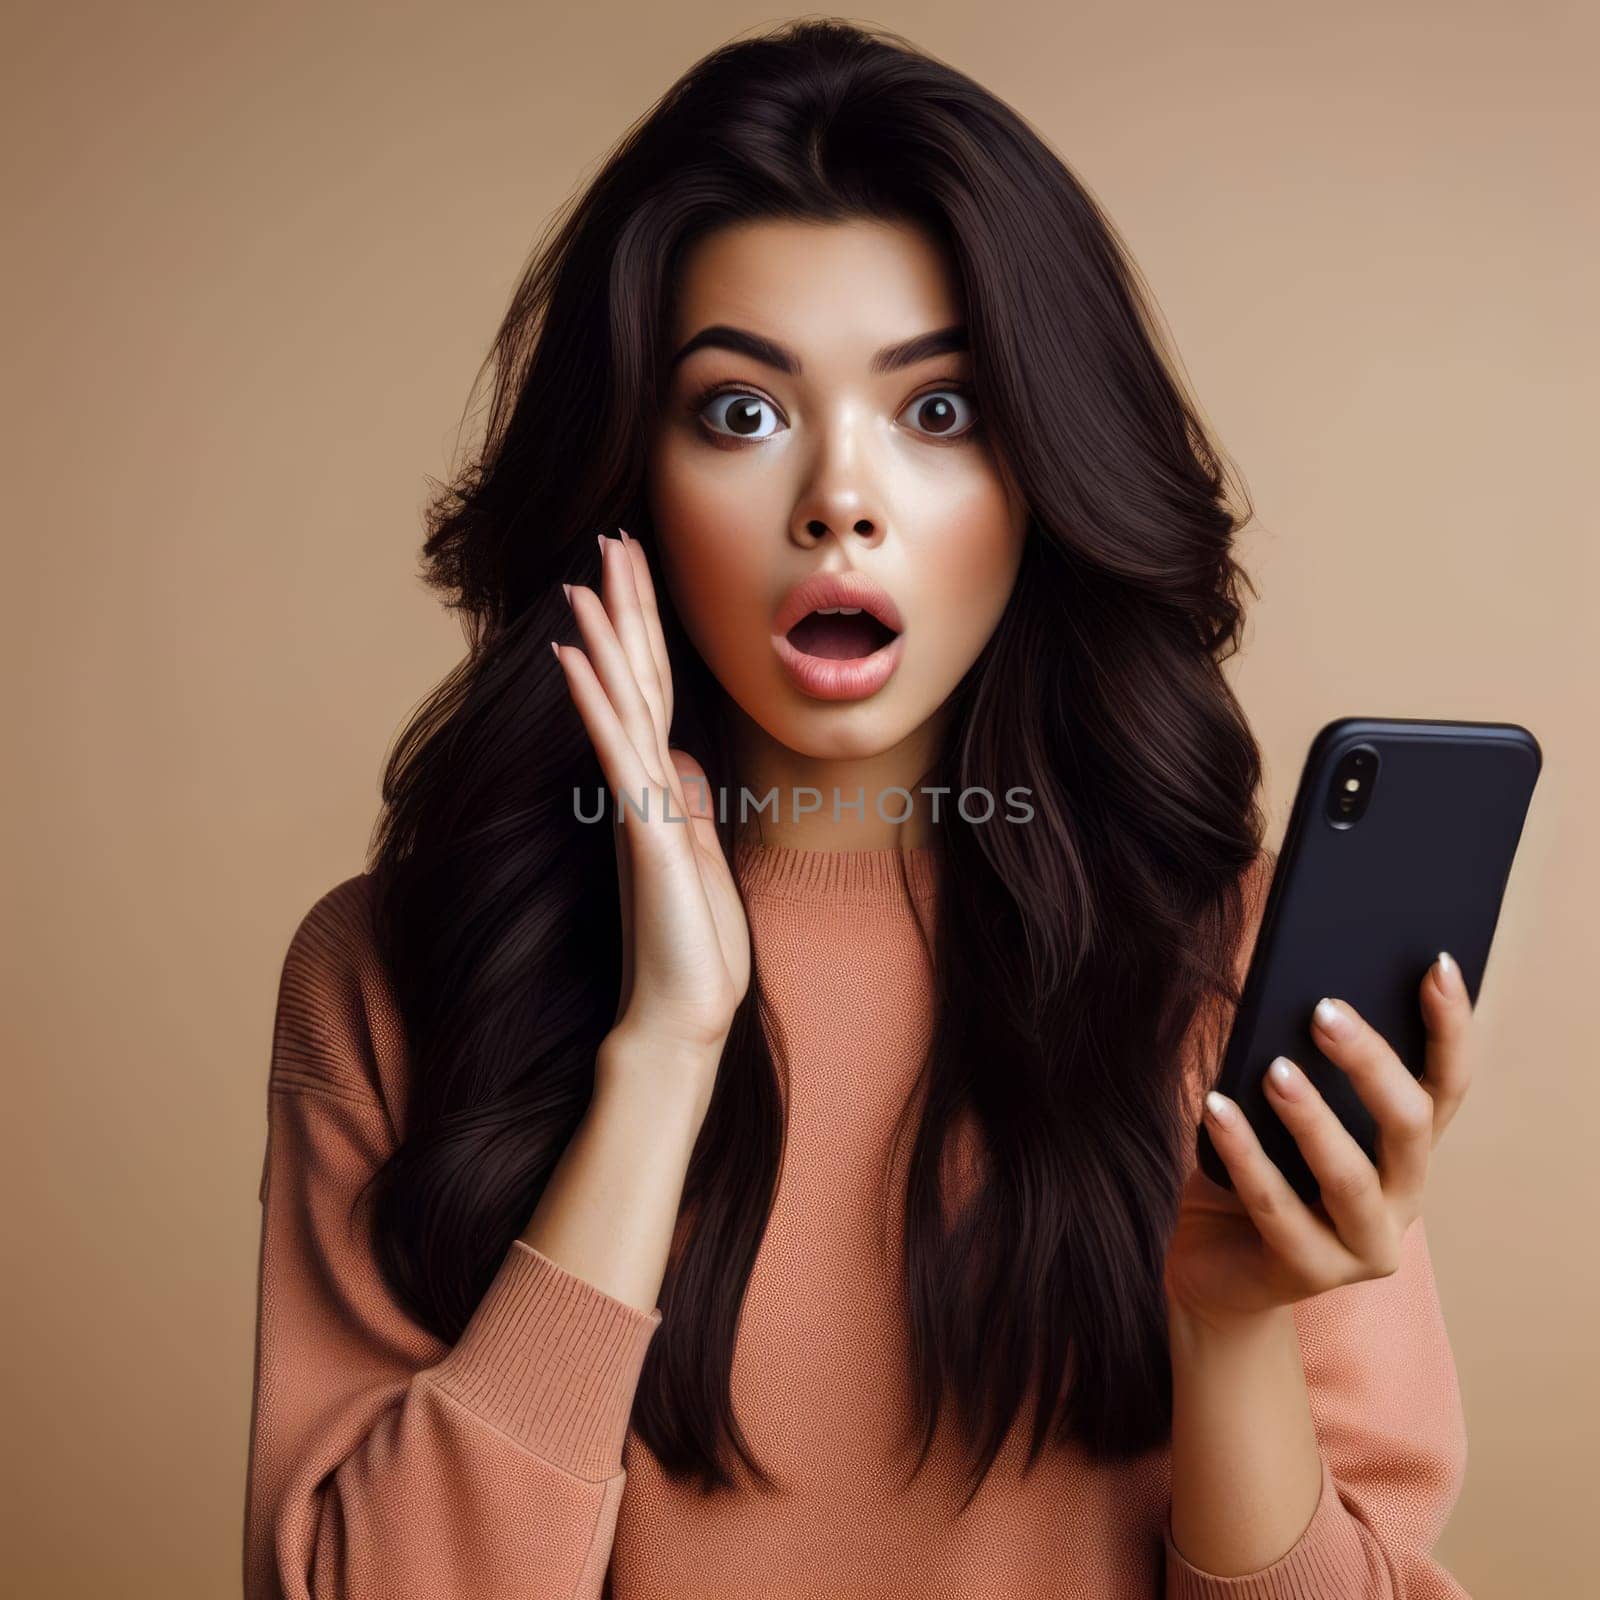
x=972, y=553
x=706, y=527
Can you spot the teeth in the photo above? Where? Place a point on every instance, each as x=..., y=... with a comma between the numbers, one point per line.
x=838, y=611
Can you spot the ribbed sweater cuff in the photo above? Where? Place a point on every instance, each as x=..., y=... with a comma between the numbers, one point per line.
x=552, y=1361
x=1328, y=1560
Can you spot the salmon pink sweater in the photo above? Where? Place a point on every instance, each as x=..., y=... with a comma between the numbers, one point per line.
x=383, y=1463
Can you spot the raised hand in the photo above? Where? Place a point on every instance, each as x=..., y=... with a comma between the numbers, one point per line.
x=686, y=942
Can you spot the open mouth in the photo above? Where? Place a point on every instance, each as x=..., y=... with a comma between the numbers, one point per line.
x=840, y=633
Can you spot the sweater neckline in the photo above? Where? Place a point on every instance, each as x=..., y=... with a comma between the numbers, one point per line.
x=880, y=877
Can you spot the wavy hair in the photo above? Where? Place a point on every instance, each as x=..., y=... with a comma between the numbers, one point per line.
x=1098, y=939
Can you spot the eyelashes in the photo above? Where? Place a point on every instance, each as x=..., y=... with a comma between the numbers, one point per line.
x=754, y=404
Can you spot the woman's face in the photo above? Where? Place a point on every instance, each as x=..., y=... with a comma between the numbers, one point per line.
x=798, y=438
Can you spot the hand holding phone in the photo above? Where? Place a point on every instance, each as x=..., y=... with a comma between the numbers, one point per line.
x=1327, y=1153
x=1399, y=845
x=1235, y=1255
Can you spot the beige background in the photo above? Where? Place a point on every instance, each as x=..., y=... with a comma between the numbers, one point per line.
x=254, y=259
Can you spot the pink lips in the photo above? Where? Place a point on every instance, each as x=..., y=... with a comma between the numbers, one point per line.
x=831, y=679
x=837, y=589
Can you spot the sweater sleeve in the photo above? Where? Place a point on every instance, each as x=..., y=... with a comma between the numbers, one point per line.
x=383, y=1462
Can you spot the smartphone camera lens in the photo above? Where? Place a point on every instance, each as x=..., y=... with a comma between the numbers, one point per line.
x=1350, y=790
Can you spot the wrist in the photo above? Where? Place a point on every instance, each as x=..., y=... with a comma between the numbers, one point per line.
x=674, y=1074
x=1202, y=1331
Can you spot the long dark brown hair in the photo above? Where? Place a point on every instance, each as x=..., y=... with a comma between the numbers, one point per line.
x=1094, y=939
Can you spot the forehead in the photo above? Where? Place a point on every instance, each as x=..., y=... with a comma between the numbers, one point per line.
x=826, y=289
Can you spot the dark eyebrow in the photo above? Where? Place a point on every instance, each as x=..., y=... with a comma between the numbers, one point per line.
x=942, y=341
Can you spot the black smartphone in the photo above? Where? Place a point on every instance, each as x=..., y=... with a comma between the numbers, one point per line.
x=1398, y=846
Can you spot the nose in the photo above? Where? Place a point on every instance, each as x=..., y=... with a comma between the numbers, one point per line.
x=814, y=529
x=838, y=494
x=836, y=503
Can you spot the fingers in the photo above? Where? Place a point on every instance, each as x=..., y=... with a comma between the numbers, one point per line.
x=615, y=672
x=619, y=760
x=1287, y=1225
x=1447, y=1011
x=623, y=668
x=1400, y=1106
x=646, y=648
x=1350, y=1189
x=645, y=589
x=1368, y=1203
x=619, y=592
x=624, y=773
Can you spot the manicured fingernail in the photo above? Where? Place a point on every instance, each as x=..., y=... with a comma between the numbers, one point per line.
x=624, y=532
x=1284, y=1075
x=1332, y=1017
x=566, y=589
x=1444, y=971
x=554, y=651
x=1220, y=1106
x=600, y=539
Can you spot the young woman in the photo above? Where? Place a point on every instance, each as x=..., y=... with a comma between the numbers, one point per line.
x=779, y=1180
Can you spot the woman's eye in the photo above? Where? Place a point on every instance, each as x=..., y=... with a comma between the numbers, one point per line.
x=943, y=413
x=739, y=414
x=735, y=414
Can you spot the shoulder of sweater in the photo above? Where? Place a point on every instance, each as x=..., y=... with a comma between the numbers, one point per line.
x=338, y=1030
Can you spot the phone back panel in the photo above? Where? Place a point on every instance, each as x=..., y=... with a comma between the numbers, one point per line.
x=1359, y=911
